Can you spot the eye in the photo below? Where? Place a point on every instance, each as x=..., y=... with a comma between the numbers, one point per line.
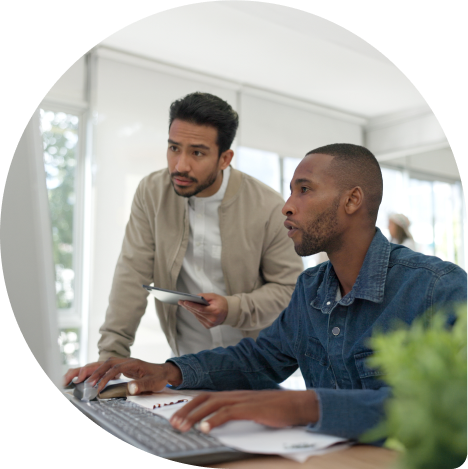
x=172, y=148
x=304, y=189
x=198, y=153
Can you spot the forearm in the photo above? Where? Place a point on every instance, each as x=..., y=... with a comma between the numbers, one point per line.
x=244, y=366
x=349, y=413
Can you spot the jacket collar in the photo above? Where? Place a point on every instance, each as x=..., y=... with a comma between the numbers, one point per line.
x=370, y=283
x=234, y=184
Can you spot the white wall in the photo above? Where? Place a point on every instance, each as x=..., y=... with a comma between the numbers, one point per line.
x=290, y=128
x=410, y=129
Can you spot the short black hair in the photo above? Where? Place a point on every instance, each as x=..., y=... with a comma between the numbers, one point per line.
x=207, y=109
x=352, y=166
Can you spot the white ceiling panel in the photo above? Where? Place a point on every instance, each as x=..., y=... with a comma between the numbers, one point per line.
x=274, y=48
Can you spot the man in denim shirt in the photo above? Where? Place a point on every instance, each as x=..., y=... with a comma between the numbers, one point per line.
x=368, y=284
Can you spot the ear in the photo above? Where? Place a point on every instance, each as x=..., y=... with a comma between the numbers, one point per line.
x=225, y=159
x=354, y=200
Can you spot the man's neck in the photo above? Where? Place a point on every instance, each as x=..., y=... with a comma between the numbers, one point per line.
x=348, y=260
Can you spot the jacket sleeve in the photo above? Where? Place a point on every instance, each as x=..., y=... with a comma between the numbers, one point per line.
x=280, y=267
x=128, y=300
x=250, y=364
x=348, y=413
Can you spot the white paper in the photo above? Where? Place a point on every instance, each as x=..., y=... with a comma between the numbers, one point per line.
x=294, y=442
x=166, y=396
x=305, y=455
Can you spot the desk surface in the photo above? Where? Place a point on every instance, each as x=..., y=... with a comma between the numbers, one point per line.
x=356, y=457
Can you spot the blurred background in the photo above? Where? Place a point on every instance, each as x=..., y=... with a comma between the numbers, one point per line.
x=297, y=82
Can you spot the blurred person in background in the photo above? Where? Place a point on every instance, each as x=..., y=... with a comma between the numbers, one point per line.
x=398, y=225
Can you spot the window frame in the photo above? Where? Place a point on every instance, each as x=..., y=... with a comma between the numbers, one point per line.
x=76, y=317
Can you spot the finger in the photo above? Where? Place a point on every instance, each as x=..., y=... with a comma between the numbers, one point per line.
x=101, y=369
x=113, y=370
x=146, y=384
x=210, y=405
x=182, y=413
x=86, y=371
x=204, y=321
x=190, y=307
x=241, y=411
x=70, y=375
x=197, y=307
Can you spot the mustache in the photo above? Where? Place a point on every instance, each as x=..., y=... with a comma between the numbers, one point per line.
x=183, y=175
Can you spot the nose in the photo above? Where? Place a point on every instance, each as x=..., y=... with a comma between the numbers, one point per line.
x=183, y=163
x=288, y=208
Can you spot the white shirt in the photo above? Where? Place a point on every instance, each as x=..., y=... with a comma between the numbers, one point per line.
x=201, y=272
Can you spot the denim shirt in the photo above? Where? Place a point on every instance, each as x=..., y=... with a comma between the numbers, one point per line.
x=327, y=336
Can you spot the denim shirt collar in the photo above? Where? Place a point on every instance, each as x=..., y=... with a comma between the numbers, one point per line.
x=370, y=283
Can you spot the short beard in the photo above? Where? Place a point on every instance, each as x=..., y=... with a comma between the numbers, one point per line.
x=209, y=181
x=321, y=234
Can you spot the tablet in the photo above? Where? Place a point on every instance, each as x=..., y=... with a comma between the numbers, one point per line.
x=173, y=297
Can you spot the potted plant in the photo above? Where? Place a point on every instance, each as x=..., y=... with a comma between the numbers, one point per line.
x=426, y=366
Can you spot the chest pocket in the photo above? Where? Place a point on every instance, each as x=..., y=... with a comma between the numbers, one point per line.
x=371, y=378
x=317, y=364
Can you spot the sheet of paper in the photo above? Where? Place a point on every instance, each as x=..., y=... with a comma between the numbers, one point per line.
x=167, y=399
x=305, y=455
x=294, y=442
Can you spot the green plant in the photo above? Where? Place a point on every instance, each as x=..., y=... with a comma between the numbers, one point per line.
x=426, y=366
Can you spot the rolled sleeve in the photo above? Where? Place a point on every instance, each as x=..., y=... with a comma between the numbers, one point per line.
x=348, y=413
x=193, y=375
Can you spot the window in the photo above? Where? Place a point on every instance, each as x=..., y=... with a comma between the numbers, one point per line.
x=434, y=207
x=275, y=171
x=263, y=165
x=60, y=139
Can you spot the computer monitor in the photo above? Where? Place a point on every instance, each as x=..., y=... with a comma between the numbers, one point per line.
x=26, y=250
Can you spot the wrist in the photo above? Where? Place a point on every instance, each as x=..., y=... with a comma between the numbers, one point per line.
x=173, y=375
x=310, y=407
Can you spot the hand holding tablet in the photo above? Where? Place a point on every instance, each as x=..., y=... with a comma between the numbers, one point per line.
x=173, y=297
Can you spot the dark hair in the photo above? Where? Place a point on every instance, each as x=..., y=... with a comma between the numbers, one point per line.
x=353, y=166
x=207, y=109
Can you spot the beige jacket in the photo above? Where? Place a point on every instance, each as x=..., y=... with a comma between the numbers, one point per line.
x=258, y=260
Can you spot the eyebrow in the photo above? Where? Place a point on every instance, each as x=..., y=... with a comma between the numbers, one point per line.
x=198, y=145
x=297, y=182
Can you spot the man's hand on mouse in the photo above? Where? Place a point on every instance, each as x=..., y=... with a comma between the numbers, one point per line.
x=77, y=375
x=209, y=316
x=146, y=376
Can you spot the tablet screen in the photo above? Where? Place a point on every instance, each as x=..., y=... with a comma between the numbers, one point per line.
x=173, y=297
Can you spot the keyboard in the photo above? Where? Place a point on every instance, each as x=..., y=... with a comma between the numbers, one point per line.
x=153, y=432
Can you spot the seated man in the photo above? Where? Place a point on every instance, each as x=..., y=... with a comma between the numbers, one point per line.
x=368, y=284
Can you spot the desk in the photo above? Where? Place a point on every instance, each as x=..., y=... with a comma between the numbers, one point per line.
x=356, y=457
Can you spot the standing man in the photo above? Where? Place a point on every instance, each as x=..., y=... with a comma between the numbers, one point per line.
x=201, y=227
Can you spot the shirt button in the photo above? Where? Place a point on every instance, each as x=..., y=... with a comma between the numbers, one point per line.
x=335, y=330
x=328, y=302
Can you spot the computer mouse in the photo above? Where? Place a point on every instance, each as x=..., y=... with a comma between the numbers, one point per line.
x=85, y=392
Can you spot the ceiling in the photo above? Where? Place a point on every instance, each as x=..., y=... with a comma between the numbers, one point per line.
x=275, y=48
